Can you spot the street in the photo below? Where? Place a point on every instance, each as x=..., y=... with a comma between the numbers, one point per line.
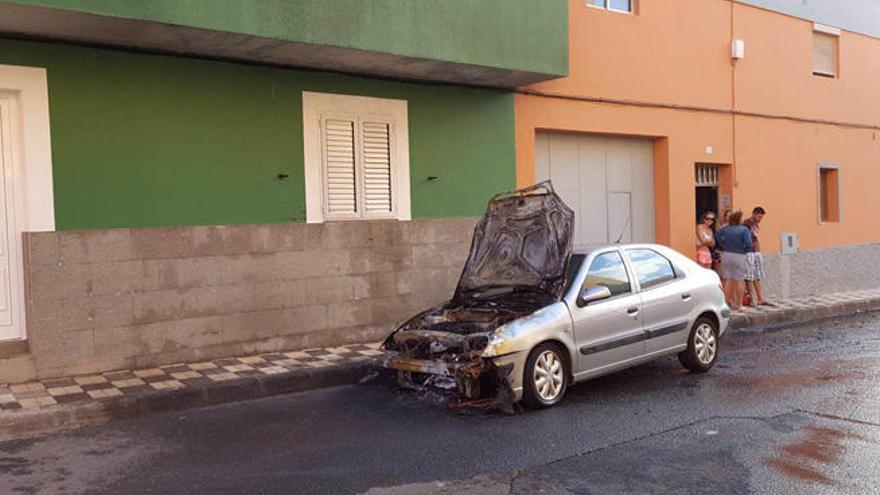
x=790, y=410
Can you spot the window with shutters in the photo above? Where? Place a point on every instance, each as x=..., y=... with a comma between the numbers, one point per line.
x=825, y=51
x=356, y=158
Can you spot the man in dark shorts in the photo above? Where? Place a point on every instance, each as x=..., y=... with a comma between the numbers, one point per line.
x=754, y=259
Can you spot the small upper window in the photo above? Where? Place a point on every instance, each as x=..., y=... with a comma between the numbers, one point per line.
x=825, y=51
x=650, y=267
x=615, y=5
x=608, y=269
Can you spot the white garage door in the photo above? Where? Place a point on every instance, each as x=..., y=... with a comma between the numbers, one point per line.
x=607, y=181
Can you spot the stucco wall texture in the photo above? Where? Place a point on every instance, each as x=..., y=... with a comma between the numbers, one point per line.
x=152, y=141
x=131, y=298
x=766, y=117
x=506, y=34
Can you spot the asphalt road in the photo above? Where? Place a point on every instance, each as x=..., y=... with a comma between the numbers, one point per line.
x=794, y=410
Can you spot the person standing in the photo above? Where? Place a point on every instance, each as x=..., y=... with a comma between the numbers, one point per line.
x=705, y=239
x=754, y=259
x=735, y=240
x=722, y=222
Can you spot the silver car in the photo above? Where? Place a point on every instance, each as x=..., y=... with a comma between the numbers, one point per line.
x=530, y=315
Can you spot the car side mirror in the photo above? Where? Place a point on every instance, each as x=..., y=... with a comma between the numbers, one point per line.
x=593, y=294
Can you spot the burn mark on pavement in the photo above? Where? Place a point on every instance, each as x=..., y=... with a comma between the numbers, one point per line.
x=808, y=458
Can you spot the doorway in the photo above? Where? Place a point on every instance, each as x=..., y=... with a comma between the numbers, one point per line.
x=27, y=202
x=11, y=277
x=707, y=182
x=707, y=200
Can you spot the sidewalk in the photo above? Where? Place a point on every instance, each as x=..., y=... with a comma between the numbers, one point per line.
x=806, y=309
x=48, y=405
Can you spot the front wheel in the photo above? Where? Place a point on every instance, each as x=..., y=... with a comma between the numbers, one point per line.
x=545, y=377
x=702, y=350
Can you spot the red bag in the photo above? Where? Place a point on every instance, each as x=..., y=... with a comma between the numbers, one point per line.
x=747, y=299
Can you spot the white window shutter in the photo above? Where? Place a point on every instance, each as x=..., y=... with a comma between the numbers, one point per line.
x=377, y=168
x=340, y=177
x=824, y=54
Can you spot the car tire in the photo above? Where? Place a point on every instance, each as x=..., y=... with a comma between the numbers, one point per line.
x=545, y=376
x=702, y=350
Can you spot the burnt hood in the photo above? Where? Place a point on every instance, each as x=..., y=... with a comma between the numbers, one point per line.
x=523, y=240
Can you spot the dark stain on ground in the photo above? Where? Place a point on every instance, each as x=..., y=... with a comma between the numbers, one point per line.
x=838, y=372
x=17, y=445
x=16, y=466
x=804, y=459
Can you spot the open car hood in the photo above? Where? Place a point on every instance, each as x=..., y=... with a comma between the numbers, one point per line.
x=523, y=240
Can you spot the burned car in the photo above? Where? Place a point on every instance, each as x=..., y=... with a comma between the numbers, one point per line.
x=531, y=315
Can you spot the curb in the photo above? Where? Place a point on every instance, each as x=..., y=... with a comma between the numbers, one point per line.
x=793, y=316
x=20, y=424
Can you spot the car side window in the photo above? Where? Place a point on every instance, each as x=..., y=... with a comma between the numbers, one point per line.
x=608, y=269
x=650, y=267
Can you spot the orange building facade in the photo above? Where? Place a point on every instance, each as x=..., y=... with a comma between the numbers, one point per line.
x=723, y=104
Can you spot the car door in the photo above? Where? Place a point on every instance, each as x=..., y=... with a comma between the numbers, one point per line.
x=666, y=302
x=608, y=331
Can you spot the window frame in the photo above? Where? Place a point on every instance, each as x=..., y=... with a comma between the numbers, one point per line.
x=677, y=274
x=629, y=276
x=607, y=6
x=820, y=167
x=821, y=29
x=581, y=278
x=316, y=107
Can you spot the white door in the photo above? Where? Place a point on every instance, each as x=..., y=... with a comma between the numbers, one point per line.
x=607, y=181
x=11, y=326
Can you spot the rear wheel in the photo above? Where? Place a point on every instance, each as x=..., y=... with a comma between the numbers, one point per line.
x=702, y=350
x=545, y=376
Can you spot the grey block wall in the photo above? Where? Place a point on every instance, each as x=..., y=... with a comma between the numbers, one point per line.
x=823, y=271
x=122, y=299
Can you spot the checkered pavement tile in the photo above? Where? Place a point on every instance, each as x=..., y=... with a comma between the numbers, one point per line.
x=59, y=392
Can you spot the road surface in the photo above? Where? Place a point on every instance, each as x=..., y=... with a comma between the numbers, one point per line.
x=792, y=410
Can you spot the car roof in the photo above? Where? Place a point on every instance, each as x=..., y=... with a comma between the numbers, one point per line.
x=591, y=248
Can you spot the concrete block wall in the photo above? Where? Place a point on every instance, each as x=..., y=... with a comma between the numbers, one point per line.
x=823, y=271
x=131, y=298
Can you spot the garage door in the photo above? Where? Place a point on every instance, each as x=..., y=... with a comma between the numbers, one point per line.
x=607, y=181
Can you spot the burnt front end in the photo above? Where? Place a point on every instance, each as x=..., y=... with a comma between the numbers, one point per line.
x=515, y=267
x=444, y=349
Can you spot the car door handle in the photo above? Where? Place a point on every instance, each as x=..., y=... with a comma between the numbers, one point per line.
x=685, y=297
x=633, y=310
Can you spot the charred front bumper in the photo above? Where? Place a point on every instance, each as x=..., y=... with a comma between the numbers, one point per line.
x=456, y=364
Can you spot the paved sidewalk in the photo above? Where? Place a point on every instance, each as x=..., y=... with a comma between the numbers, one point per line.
x=806, y=309
x=41, y=406
x=47, y=405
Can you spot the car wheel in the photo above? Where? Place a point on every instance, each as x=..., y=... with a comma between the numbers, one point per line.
x=702, y=350
x=546, y=376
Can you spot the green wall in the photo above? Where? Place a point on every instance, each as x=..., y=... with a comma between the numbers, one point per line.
x=145, y=140
x=529, y=35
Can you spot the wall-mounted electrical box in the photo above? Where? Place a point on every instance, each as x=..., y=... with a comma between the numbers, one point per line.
x=789, y=243
x=738, y=49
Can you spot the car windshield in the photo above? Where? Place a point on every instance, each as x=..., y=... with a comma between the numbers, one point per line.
x=571, y=271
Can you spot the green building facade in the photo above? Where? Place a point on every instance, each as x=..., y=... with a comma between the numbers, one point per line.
x=162, y=139
x=188, y=179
